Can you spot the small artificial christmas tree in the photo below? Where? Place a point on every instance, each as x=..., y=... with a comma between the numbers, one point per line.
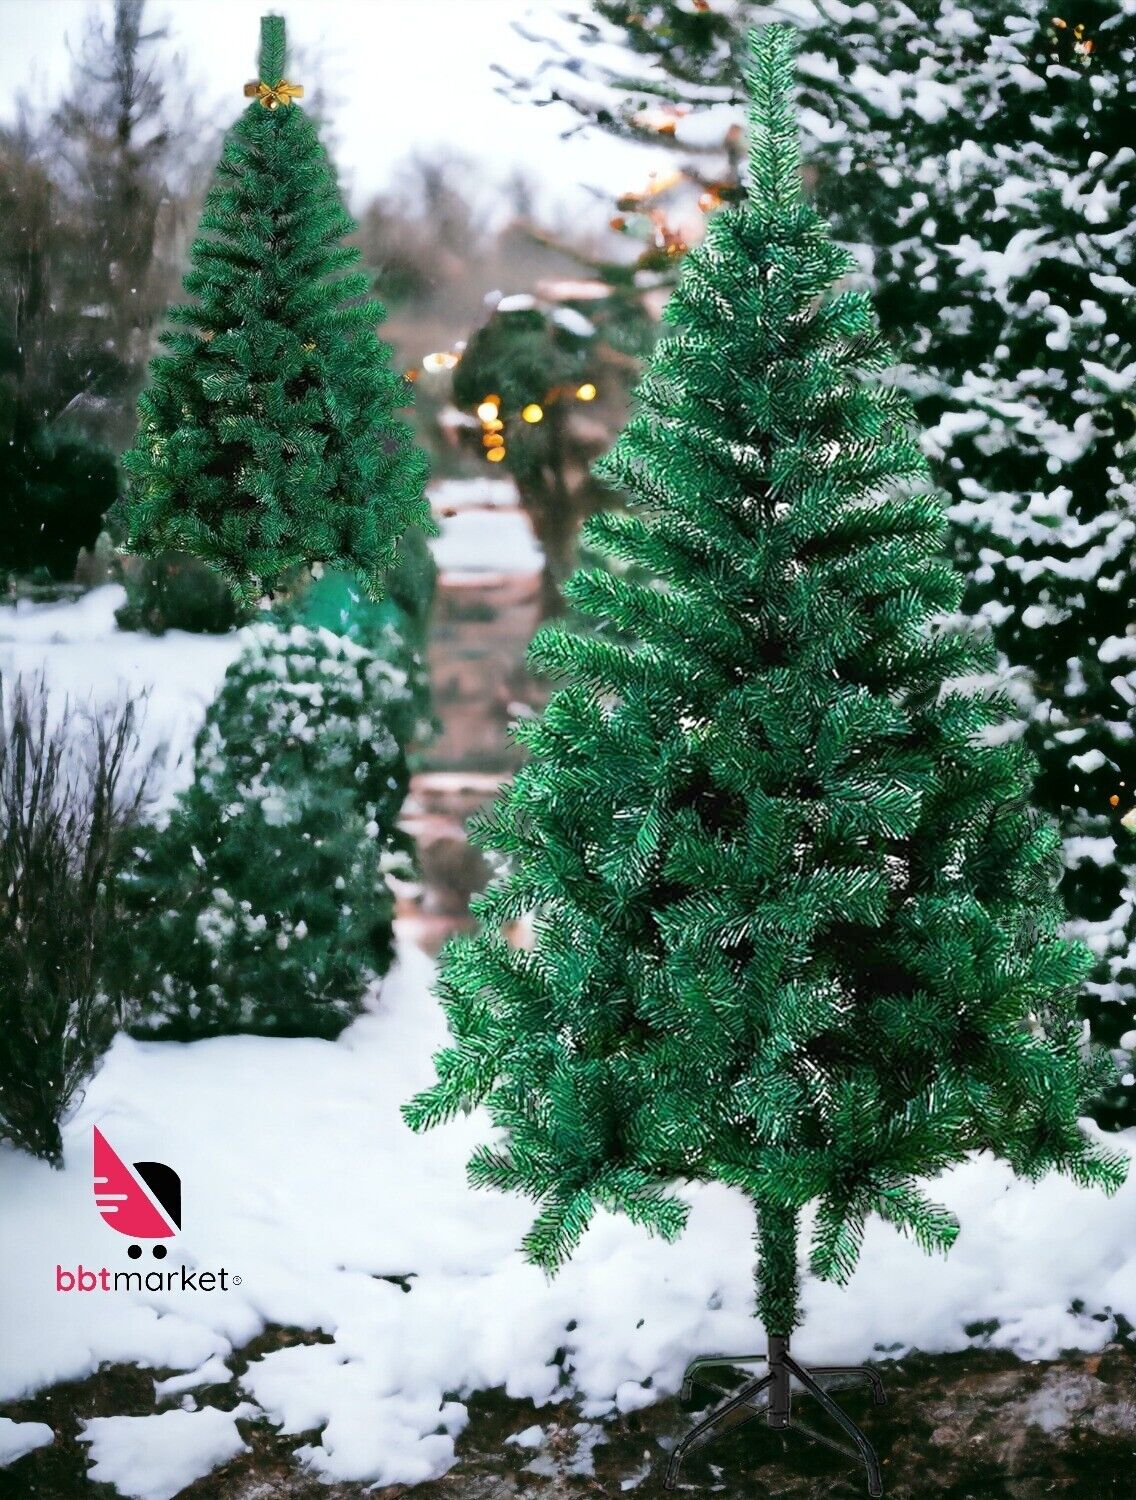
x=795, y=921
x=267, y=438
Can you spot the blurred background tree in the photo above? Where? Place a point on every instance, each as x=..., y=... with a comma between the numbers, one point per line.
x=96, y=194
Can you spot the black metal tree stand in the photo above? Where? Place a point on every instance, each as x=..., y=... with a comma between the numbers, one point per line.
x=743, y=1407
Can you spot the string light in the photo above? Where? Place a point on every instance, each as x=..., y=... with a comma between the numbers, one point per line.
x=492, y=428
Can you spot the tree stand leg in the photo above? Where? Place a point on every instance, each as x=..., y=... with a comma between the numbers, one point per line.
x=778, y=1407
x=731, y=1413
x=708, y=1361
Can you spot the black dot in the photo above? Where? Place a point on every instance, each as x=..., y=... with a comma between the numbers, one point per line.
x=159, y=1252
x=134, y=1252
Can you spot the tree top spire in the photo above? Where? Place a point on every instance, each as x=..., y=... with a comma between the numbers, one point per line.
x=273, y=49
x=273, y=89
x=774, y=148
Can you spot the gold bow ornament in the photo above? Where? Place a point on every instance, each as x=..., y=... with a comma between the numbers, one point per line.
x=273, y=94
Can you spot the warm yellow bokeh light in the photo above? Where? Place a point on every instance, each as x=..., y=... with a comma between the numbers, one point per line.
x=495, y=455
x=533, y=412
x=488, y=409
x=586, y=392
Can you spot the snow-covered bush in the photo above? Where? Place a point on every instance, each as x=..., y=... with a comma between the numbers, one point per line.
x=263, y=906
x=70, y=794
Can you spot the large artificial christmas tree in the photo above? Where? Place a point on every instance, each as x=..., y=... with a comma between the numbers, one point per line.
x=267, y=439
x=795, y=919
x=979, y=155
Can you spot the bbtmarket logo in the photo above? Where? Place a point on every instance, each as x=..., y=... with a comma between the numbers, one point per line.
x=123, y=1201
x=144, y=1204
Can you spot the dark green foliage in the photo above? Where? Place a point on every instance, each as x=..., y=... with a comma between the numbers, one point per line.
x=1002, y=226
x=795, y=918
x=1012, y=251
x=68, y=802
x=173, y=591
x=263, y=906
x=267, y=439
x=520, y=355
x=93, y=191
x=56, y=492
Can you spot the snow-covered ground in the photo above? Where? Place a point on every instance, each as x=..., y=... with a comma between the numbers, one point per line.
x=483, y=530
x=301, y=1179
x=87, y=659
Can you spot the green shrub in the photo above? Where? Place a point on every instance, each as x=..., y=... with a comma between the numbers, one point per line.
x=264, y=905
x=177, y=592
x=55, y=492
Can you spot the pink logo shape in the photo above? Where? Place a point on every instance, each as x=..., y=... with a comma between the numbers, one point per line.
x=123, y=1201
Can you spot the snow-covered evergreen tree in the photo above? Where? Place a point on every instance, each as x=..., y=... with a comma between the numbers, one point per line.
x=1014, y=229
